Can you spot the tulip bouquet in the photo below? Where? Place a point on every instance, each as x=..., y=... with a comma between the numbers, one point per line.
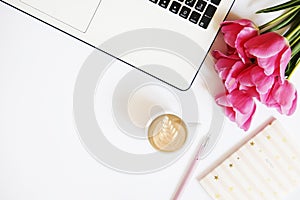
x=258, y=62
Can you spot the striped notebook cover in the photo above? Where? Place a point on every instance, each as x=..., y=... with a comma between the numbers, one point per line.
x=266, y=167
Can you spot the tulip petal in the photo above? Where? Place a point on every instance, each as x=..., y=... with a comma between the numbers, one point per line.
x=284, y=94
x=218, y=54
x=244, y=108
x=284, y=60
x=240, y=101
x=231, y=81
x=230, y=113
x=250, y=90
x=268, y=64
x=224, y=63
x=245, y=77
x=246, y=123
x=276, y=64
x=262, y=82
x=230, y=33
x=244, y=35
x=231, y=29
x=239, y=107
x=294, y=105
x=265, y=45
x=223, y=101
x=222, y=66
x=242, y=22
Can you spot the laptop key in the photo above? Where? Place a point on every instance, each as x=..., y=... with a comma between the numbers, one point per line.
x=200, y=5
x=164, y=3
x=204, y=22
x=190, y=3
x=192, y=9
x=185, y=11
x=195, y=16
x=175, y=7
x=210, y=11
x=216, y=2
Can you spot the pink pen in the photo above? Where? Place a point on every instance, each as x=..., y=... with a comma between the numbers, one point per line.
x=191, y=169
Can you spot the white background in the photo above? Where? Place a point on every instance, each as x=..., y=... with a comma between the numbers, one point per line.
x=26, y=44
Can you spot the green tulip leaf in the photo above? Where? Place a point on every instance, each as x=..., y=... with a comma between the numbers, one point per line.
x=282, y=6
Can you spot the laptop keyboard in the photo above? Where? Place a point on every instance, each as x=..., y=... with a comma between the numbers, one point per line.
x=196, y=11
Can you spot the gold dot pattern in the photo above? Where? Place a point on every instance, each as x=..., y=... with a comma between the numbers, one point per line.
x=266, y=167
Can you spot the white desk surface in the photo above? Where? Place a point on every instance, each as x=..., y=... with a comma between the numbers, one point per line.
x=23, y=38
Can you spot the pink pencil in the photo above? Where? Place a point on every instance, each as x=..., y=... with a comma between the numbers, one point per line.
x=191, y=169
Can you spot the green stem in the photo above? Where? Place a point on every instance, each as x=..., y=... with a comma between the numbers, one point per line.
x=291, y=34
x=295, y=39
x=281, y=17
x=282, y=6
x=290, y=19
x=293, y=25
x=293, y=70
x=295, y=50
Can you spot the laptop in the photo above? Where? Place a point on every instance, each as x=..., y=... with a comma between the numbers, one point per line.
x=167, y=39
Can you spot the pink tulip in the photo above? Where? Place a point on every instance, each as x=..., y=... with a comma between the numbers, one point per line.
x=239, y=107
x=282, y=96
x=271, y=52
x=236, y=33
x=228, y=68
x=224, y=63
x=254, y=67
x=255, y=81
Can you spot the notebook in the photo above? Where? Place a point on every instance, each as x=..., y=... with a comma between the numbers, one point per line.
x=265, y=167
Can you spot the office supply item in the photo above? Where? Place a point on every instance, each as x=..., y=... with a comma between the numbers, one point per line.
x=265, y=167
